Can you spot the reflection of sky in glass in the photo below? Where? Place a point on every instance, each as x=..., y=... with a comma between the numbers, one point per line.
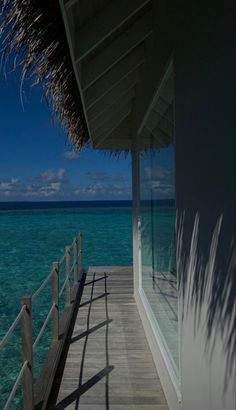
x=158, y=213
x=158, y=174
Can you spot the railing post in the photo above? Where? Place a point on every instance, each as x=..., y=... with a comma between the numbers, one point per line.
x=76, y=267
x=68, y=291
x=80, y=255
x=55, y=300
x=27, y=352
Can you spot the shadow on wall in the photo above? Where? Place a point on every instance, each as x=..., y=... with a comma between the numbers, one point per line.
x=207, y=275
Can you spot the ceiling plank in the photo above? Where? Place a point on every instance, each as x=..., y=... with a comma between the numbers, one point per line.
x=103, y=24
x=125, y=98
x=116, y=137
x=110, y=98
x=114, y=76
x=121, y=104
x=97, y=66
x=112, y=123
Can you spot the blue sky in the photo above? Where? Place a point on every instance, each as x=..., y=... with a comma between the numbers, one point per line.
x=37, y=163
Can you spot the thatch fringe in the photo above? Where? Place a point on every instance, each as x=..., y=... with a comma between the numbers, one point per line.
x=33, y=33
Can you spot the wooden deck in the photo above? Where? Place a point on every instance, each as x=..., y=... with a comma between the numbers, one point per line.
x=109, y=365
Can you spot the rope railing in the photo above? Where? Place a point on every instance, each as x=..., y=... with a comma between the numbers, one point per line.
x=25, y=317
x=42, y=286
x=63, y=287
x=43, y=327
x=14, y=389
x=72, y=267
x=62, y=259
x=11, y=328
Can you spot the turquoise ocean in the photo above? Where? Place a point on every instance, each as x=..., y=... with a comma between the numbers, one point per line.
x=32, y=236
x=35, y=234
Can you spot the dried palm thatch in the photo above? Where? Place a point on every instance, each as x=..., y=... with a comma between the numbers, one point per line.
x=33, y=33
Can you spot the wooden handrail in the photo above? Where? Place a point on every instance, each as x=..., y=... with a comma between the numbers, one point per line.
x=25, y=317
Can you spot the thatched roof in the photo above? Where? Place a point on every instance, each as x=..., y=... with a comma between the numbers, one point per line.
x=33, y=34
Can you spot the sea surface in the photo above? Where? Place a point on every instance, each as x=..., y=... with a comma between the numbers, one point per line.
x=35, y=234
x=32, y=236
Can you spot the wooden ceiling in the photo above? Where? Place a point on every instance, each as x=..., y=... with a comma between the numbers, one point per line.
x=108, y=42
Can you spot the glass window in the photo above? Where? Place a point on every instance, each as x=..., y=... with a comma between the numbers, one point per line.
x=157, y=215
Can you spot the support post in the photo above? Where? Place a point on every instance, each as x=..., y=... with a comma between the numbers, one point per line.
x=68, y=291
x=55, y=300
x=80, y=255
x=76, y=267
x=27, y=353
x=137, y=264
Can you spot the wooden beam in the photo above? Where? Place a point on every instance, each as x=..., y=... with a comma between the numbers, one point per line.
x=112, y=123
x=111, y=112
x=103, y=24
x=109, y=99
x=97, y=66
x=110, y=127
x=113, y=77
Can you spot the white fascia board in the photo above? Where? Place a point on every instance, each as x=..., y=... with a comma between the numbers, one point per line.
x=70, y=44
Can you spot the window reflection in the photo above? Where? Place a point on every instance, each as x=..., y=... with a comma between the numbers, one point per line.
x=157, y=213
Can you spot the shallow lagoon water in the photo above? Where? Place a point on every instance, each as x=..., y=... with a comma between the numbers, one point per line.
x=32, y=236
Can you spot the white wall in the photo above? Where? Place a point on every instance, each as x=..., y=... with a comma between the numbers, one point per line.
x=206, y=192
x=201, y=36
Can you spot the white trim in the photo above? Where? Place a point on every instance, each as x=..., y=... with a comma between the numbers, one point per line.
x=166, y=367
x=171, y=390
x=70, y=44
x=166, y=354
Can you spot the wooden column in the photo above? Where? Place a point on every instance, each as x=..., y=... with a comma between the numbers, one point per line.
x=27, y=352
x=55, y=300
x=68, y=291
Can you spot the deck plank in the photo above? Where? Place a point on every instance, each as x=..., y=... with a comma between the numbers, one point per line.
x=109, y=365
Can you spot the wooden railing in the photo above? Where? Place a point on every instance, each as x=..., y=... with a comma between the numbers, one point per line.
x=24, y=317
